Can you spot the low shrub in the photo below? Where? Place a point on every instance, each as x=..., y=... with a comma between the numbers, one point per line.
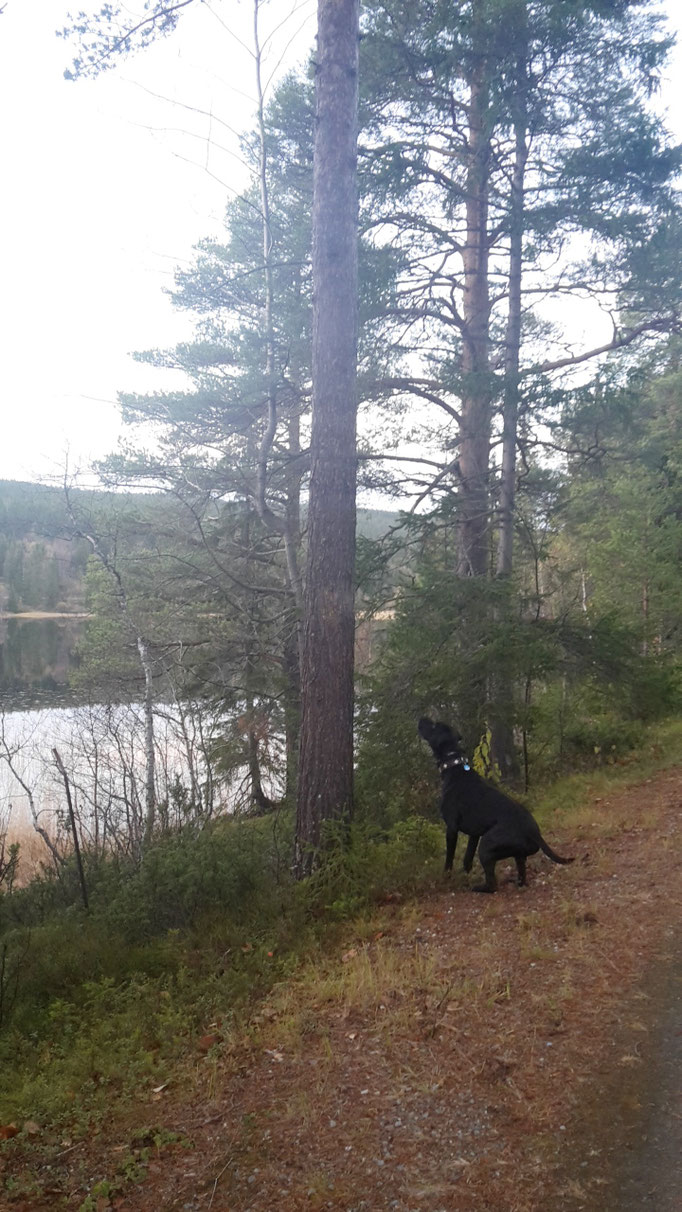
x=602, y=738
x=372, y=863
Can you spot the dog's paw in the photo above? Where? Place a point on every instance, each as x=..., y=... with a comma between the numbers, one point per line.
x=482, y=888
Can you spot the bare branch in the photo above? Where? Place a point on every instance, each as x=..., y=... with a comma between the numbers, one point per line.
x=619, y=341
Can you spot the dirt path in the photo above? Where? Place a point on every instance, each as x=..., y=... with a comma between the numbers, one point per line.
x=650, y=1174
x=634, y=1125
x=517, y=1053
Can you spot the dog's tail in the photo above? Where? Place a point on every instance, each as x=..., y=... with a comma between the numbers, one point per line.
x=556, y=858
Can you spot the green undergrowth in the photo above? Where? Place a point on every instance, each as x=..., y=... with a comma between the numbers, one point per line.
x=99, y=1011
x=659, y=748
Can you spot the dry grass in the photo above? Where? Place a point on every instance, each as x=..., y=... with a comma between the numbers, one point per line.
x=33, y=852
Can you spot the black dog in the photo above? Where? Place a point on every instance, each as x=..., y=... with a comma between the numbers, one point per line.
x=504, y=828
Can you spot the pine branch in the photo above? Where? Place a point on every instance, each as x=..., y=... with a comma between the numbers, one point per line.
x=102, y=37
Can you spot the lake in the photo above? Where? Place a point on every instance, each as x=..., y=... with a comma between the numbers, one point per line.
x=37, y=657
x=101, y=744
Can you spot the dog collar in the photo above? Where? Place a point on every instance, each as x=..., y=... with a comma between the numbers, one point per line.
x=451, y=762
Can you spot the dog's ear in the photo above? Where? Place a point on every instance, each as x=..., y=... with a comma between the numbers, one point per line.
x=425, y=725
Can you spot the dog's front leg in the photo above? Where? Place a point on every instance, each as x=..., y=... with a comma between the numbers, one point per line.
x=450, y=847
x=470, y=853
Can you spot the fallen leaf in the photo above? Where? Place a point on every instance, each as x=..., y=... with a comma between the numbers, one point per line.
x=7, y=1131
x=31, y=1127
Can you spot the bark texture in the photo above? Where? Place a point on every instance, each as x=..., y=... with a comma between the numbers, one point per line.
x=325, y=786
x=476, y=383
x=503, y=748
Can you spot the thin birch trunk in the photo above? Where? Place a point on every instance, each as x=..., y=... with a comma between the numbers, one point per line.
x=287, y=526
x=145, y=662
x=74, y=831
x=149, y=743
x=274, y=522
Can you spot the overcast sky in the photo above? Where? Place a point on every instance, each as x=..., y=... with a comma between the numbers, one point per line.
x=106, y=189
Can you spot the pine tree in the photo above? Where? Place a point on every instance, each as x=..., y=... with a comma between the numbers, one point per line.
x=325, y=788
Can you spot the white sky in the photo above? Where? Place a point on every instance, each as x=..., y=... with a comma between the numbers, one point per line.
x=105, y=192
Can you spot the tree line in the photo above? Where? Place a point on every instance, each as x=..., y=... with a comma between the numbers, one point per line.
x=434, y=208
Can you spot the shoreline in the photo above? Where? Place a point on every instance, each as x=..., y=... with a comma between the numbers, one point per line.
x=44, y=614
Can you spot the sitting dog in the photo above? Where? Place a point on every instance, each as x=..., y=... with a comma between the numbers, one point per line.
x=504, y=828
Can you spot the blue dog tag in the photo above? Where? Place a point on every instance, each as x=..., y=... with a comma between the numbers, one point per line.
x=467, y=766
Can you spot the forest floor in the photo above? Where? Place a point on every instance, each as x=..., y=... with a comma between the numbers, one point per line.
x=461, y=1053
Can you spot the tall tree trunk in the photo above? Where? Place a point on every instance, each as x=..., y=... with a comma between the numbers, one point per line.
x=503, y=749
x=476, y=386
x=326, y=757
x=510, y=407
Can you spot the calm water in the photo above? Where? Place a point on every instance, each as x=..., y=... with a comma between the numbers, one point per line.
x=37, y=657
x=101, y=745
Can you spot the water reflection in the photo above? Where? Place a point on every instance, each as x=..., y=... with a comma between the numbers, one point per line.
x=37, y=656
x=103, y=749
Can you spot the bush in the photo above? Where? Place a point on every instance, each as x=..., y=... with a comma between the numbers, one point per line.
x=602, y=737
x=372, y=864
x=655, y=692
x=231, y=866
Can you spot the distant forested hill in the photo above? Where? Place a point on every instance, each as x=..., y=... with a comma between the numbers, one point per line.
x=42, y=564
x=41, y=567
x=375, y=523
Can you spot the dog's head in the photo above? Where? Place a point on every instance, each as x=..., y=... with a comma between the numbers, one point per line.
x=444, y=742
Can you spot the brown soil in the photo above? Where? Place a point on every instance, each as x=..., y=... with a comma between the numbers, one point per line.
x=472, y=1054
